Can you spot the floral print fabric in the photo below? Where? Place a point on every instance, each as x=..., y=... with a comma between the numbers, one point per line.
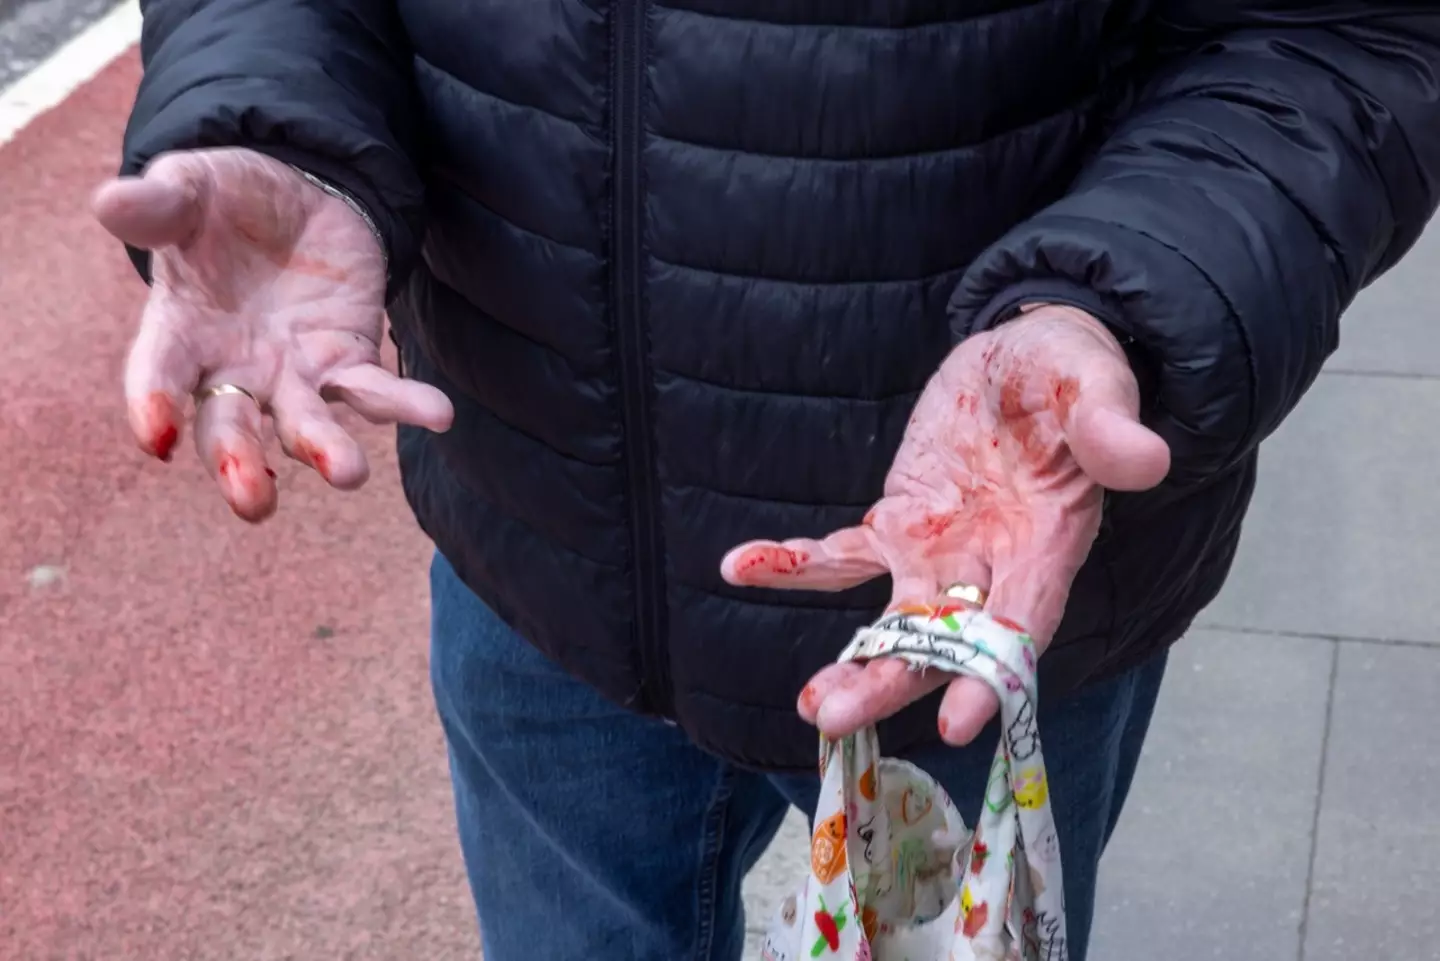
x=895, y=873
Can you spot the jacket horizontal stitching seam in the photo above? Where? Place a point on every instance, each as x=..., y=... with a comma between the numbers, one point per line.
x=1068, y=112
x=865, y=27
x=591, y=129
x=795, y=395
x=809, y=282
x=503, y=516
x=766, y=499
x=529, y=338
x=1276, y=183
x=1357, y=93
x=464, y=195
x=593, y=465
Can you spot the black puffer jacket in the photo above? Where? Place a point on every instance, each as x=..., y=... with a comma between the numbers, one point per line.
x=688, y=265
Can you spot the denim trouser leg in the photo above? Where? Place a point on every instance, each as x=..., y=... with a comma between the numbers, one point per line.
x=591, y=834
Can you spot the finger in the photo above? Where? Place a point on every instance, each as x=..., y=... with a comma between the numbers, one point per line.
x=1109, y=443
x=309, y=433
x=959, y=567
x=885, y=686
x=1031, y=589
x=227, y=435
x=967, y=707
x=1019, y=594
x=160, y=373
x=913, y=585
x=382, y=398
x=162, y=208
x=826, y=682
x=845, y=559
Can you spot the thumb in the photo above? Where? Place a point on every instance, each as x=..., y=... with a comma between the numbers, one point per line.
x=162, y=208
x=1107, y=440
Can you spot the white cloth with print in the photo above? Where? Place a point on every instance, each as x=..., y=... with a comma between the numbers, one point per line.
x=895, y=874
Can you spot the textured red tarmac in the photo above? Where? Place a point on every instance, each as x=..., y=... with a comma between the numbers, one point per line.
x=216, y=741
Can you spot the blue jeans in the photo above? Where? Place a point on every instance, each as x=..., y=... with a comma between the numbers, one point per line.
x=593, y=834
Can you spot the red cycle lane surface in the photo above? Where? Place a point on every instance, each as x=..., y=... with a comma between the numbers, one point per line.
x=216, y=741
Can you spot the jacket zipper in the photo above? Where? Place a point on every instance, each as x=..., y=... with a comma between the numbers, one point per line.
x=632, y=341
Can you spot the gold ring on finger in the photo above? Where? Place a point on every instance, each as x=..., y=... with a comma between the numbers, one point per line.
x=219, y=390
x=968, y=593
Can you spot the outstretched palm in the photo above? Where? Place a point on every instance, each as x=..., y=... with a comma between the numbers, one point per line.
x=998, y=484
x=265, y=282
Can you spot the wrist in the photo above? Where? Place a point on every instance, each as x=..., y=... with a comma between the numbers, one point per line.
x=1108, y=334
x=1058, y=292
x=355, y=206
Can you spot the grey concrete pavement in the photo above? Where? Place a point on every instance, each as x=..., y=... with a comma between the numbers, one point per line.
x=1284, y=806
x=31, y=30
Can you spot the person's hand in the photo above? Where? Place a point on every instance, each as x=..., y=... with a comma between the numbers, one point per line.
x=998, y=484
x=263, y=281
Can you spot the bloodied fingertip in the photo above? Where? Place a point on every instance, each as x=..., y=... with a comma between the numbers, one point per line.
x=808, y=698
x=158, y=429
x=307, y=453
x=165, y=442
x=778, y=560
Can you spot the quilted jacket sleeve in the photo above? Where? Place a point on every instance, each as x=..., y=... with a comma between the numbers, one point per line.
x=322, y=84
x=1278, y=155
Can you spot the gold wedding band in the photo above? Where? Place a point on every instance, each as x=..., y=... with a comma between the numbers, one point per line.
x=968, y=593
x=218, y=390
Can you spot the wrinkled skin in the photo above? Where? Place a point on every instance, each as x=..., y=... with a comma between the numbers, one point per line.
x=264, y=281
x=998, y=483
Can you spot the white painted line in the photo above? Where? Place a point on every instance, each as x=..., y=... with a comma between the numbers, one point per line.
x=68, y=68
